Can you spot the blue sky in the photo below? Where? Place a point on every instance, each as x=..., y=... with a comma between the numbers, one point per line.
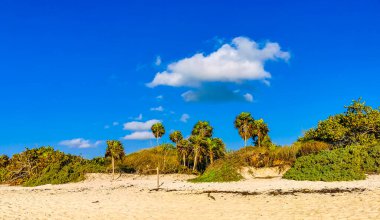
x=73, y=73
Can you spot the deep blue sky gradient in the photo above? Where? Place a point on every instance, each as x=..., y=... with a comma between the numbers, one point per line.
x=68, y=68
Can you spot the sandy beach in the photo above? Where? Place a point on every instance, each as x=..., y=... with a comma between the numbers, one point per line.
x=135, y=197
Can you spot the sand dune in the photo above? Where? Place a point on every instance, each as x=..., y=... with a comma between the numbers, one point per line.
x=133, y=197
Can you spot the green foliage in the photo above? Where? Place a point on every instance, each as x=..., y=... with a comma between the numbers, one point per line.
x=342, y=164
x=256, y=129
x=202, y=129
x=311, y=147
x=115, y=149
x=146, y=161
x=4, y=160
x=360, y=124
x=260, y=132
x=158, y=130
x=44, y=165
x=220, y=171
x=244, y=124
x=176, y=136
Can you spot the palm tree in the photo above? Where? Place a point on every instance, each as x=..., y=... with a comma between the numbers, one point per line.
x=261, y=130
x=158, y=130
x=244, y=123
x=202, y=129
x=184, y=148
x=176, y=136
x=115, y=150
x=198, y=143
x=216, y=148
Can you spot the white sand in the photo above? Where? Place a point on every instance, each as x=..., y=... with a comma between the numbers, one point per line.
x=131, y=197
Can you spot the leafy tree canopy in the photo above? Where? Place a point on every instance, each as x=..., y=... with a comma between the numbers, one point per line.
x=360, y=124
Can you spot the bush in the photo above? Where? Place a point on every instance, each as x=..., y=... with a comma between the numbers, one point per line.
x=223, y=170
x=146, y=161
x=311, y=147
x=44, y=165
x=4, y=160
x=342, y=164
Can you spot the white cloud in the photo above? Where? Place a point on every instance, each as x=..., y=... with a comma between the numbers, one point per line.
x=184, y=118
x=158, y=61
x=248, y=97
x=158, y=109
x=80, y=143
x=190, y=96
x=140, y=126
x=106, y=126
x=139, y=135
x=160, y=97
x=115, y=123
x=140, y=117
x=242, y=59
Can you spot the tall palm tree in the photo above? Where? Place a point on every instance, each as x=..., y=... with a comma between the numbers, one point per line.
x=184, y=148
x=244, y=123
x=158, y=130
x=216, y=149
x=176, y=136
x=202, y=129
x=198, y=142
x=115, y=150
x=261, y=130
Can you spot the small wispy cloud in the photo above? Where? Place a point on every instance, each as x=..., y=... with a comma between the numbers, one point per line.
x=158, y=61
x=158, y=109
x=80, y=143
x=115, y=123
x=248, y=97
x=160, y=97
x=184, y=118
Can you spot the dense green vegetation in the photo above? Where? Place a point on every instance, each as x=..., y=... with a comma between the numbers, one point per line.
x=355, y=137
x=44, y=165
x=343, y=147
x=341, y=164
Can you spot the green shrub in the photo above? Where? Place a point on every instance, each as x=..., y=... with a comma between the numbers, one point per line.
x=44, y=165
x=146, y=161
x=3, y=173
x=342, y=164
x=4, y=160
x=220, y=171
x=311, y=147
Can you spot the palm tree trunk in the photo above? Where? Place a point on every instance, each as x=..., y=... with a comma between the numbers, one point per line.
x=258, y=139
x=195, y=160
x=211, y=158
x=184, y=159
x=113, y=168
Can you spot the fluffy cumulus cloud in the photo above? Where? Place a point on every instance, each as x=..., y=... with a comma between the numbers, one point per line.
x=157, y=109
x=80, y=143
x=241, y=60
x=140, y=126
x=184, y=118
x=139, y=135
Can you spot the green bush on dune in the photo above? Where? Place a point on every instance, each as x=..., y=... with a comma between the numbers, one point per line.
x=44, y=165
x=342, y=164
x=223, y=170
